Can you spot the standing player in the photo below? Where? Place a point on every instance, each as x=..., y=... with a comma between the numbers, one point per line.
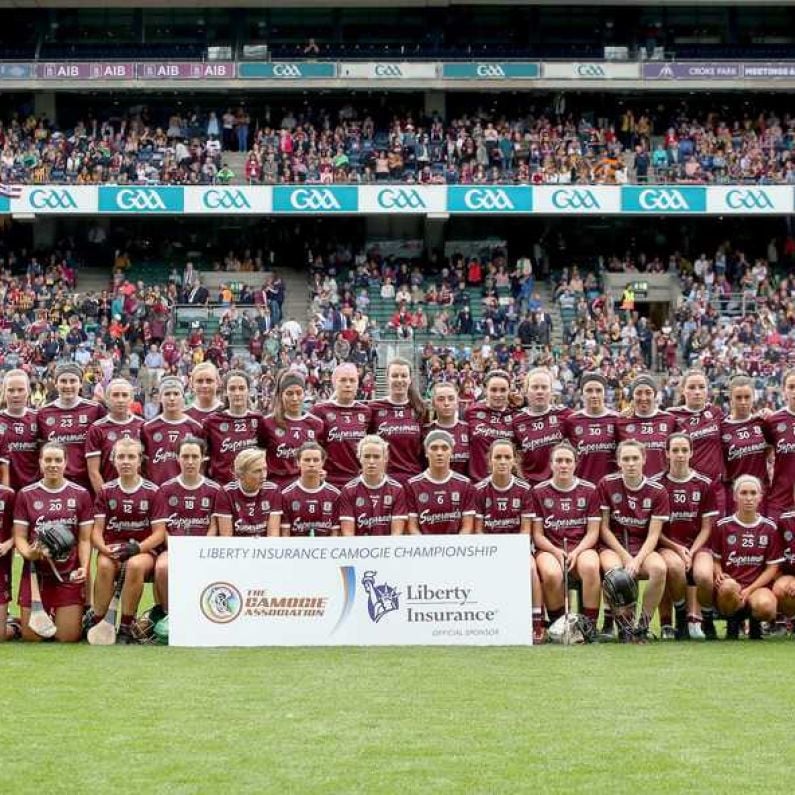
x=67, y=419
x=745, y=446
x=488, y=421
x=189, y=505
x=444, y=400
x=398, y=419
x=701, y=421
x=567, y=509
x=684, y=544
x=120, y=423
x=748, y=553
x=310, y=507
x=345, y=422
x=287, y=428
x=504, y=504
x=161, y=436
x=647, y=424
x=256, y=503
x=6, y=554
x=204, y=383
x=126, y=530
x=440, y=501
x=539, y=427
x=780, y=428
x=593, y=431
x=372, y=504
x=634, y=510
x=19, y=434
x=233, y=429
x=50, y=502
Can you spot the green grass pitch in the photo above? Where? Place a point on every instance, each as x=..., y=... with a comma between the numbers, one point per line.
x=660, y=718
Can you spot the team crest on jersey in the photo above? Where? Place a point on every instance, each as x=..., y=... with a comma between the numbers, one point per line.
x=647, y=503
x=781, y=427
x=762, y=541
x=481, y=415
x=553, y=420
x=144, y=505
x=112, y=504
x=382, y=413
x=580, y=502
x=732, y=539
x=708, y=415
x=265, y=505
x=360, y=417
x=788, y=535
x=456, y=496
x=662, y=427
x=332, y=416
x=549, y=502
x=113, y=436
x=423, y=497
x=578, y=431
x=617, y=498
x=696, y=496
x=295, y=505
x=38, y=505
x=387, y=500
x=516, y=503
x=83, y=419
x=173, y=501
x=280, y=432
x=50, y=421
x=158, y=437
x=327, y=507
x=205, y=502
x=611, y=428
x=488, y=502
x=224, y=427
x=630, y=429
x=360, y=502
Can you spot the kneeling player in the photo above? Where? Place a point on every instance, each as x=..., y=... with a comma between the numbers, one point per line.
x=256, y=503
x=634, y=510
x=748, y=553
x=565, y=532
x=53, y=505
x=193, y=506
x=126, y=531
x=6, y=557
x=684, y=544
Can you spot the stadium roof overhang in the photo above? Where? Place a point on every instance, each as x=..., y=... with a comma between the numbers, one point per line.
x=361, y=3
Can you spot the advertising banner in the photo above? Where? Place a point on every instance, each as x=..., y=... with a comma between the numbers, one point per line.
x=591, y=70
x=663, y=201
x=83, y=70
x=396, y=199
x=17, y=71
x=483, y=199
x=136, y=200
x=720, y=70
x=491, y=70
x=185, y=70
x=316, y=200
x=750, y=200
x=388, y=70
x=57, y=199
x=377, y=591
x=226, y=200
x=576, y=199
x=286, y=70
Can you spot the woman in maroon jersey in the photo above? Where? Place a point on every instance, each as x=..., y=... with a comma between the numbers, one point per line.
x=780, y=429
x=6, y=558
x=489, y=420
x=310, y=507
x=372, y=504
x=745, y=446
x=287, y=427
x=19, y=431
x=567, y=509
x=52, y=501
x=748, y=555
x=634, y=510
x=444, y=401
x=256, y=503
x=684, y=543
x=345, y=422
x=398, y=418
x=204, y=382
x=701, y=421
x=125, y=531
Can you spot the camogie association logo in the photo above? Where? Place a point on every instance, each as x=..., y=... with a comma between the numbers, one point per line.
x=221, y=602
x=381, y=599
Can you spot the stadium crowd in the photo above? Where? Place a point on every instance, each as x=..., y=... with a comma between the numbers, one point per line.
x=548, y=145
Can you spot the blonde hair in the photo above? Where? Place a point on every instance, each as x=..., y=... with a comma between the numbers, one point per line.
x=247, y=458
x=371, y=438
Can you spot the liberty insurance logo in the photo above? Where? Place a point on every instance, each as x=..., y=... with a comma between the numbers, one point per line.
x=381, y=599
x=221, y=602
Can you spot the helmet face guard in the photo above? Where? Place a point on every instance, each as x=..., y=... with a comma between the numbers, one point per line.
x=143, y=629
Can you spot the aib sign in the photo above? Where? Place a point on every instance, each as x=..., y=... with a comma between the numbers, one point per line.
x=141, y=200
x=663, y=201
x=315, y=200
x=483, y=199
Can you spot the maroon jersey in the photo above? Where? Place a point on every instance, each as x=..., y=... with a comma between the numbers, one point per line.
x=746, y=550
x=128, y=514
x=227, y=434
x=745, y=449
x=460, y=433
x=595, y=439
x=689, y=500
x=653, y=431
x=439, y=506
x=704, y=429
x=70, y=428
x=103, y=434
x=786, y=529
x=311, y=512
x=502, y=510
x=397, y=424
x=6, y=526
x=565, y=513
x=372, y=508
x=631, y=510
x=486, y=426
x=780, y=429
x=200, y=415
x=281, y=444
x=250, y=512
x=342, y=430
x=188, y=511
x=19, y=447
x=536, y=435
x=38, y=507
x=160, y=438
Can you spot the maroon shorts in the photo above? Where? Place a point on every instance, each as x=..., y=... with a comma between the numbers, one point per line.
x=5, y=577
x=54, y=594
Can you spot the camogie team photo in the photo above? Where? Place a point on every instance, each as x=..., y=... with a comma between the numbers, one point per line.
x=663, y=522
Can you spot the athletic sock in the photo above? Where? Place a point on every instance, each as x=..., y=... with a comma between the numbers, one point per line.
x=126, y=620
x=554, y=615
x=591, y=612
